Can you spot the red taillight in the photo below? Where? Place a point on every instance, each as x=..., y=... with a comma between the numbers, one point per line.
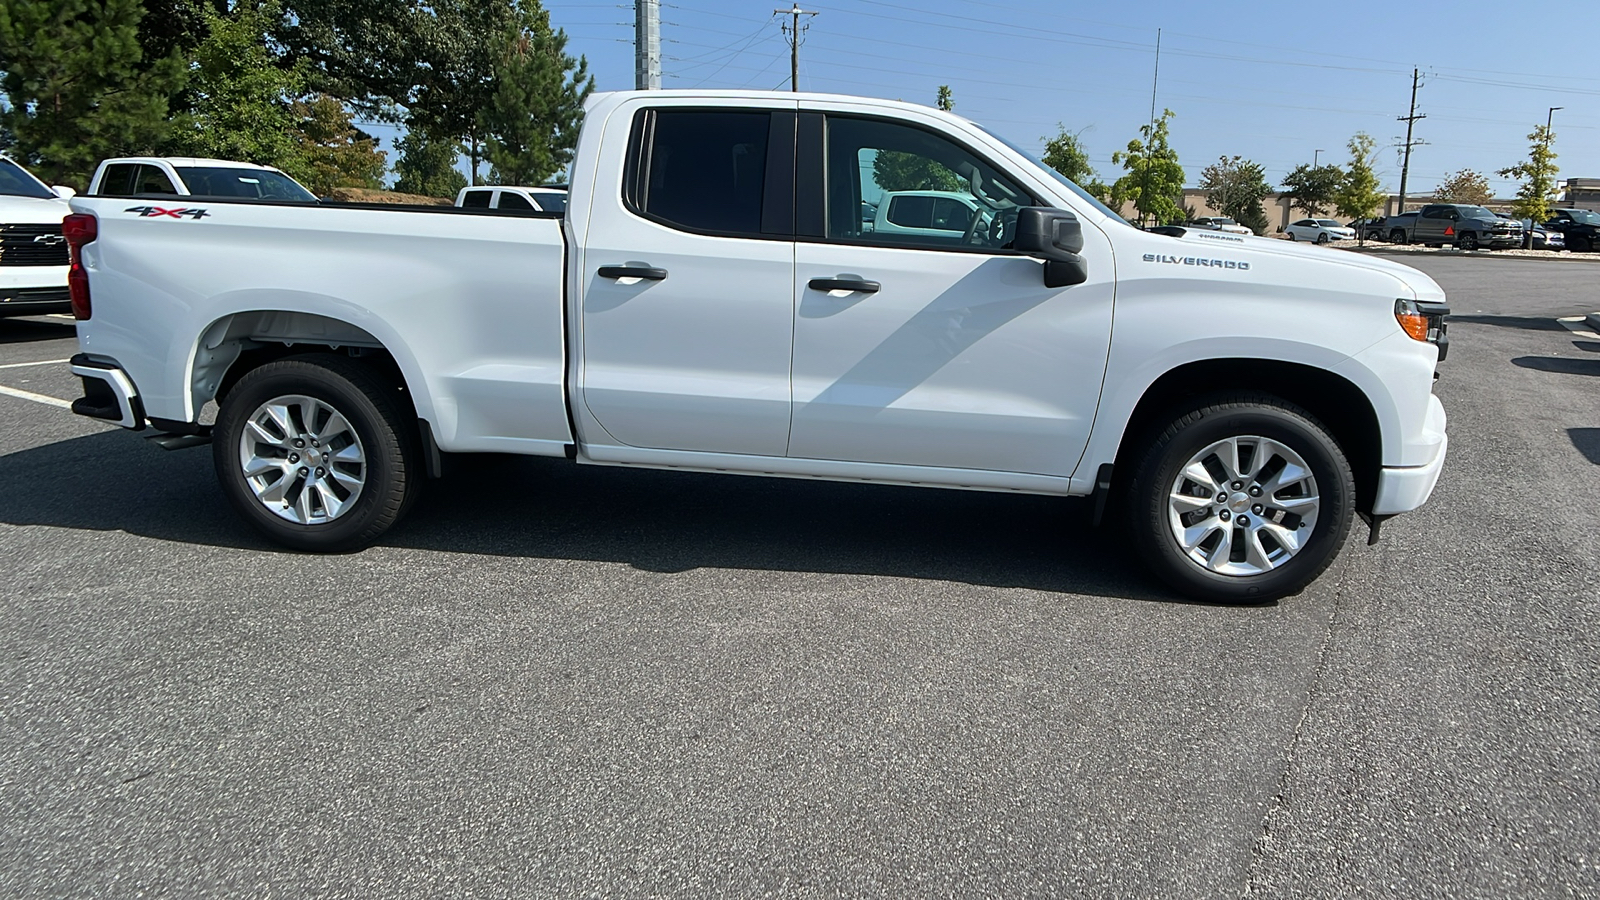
x=79, y=229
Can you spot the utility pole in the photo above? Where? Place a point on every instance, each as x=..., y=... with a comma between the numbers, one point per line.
x=1410, y=120
x=794, y=31
x=647, y=45
x=1149, y=138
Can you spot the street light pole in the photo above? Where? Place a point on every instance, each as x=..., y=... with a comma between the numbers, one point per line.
x=1314, y=155
x=1549, y=116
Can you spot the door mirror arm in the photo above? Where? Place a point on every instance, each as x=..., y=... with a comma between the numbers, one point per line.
x=1055, y=236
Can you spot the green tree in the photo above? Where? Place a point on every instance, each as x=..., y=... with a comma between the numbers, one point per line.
x=1235, y=187
x=427, y=166
x=531, y=123
x=332, y=151
x=1066, y=154
x=1154, y=182
x=78, y=85
x=1312, y=188
x=1359, y=194
x=1465, y=186
x=945, y=101
x=238, y=102
x=1538, y=176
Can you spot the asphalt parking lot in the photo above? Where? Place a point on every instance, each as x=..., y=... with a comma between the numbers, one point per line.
x=554, y=681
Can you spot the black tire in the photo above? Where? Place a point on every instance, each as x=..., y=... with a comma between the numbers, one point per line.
x=1398, y=237
x=1468, y=241
x=1292, y=237
x=371, y=404
x=1581, y=245
x=1195, y=427
x=1322, y=237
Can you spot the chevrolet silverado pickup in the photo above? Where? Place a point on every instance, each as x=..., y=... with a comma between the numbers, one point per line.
x=712, y=300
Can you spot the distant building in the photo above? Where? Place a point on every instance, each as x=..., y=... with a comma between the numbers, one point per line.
x=1582, y=193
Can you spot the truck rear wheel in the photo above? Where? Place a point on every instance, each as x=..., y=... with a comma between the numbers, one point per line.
x=314, y=452
x=1243, y=498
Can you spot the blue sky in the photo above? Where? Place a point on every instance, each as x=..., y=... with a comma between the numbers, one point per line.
x=1273, y=82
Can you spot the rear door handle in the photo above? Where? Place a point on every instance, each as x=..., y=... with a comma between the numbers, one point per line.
x=844, y=284
x=648, y=273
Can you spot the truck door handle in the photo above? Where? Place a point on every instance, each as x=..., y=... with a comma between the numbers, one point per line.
x=844, y=284
x=648, y=273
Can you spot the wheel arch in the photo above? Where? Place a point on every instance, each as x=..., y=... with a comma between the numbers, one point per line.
x=236, y=343
x=1341, y=405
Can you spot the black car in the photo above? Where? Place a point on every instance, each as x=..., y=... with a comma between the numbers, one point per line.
x=1580, y=227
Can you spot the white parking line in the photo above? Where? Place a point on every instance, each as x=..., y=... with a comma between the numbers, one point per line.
x=42, y=362
x=37, y=398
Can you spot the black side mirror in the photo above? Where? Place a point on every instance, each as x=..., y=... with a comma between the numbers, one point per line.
x=1055, y=236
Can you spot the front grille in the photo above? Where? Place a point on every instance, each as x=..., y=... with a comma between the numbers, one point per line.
x=32, y=245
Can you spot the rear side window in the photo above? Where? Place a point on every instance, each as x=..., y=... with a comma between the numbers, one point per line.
x=118, y=180
x=552, y=203
x=151, y=180
x=701, y=170
x=476, y=199
x=513, y=200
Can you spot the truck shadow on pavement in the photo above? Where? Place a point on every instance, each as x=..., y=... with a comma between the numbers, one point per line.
x=1587, y=440
x=1530, y=323
x=1558, y=365
x=666, y=522
x=28, y=331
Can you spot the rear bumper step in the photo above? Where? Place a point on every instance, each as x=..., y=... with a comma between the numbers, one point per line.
x=108, y=393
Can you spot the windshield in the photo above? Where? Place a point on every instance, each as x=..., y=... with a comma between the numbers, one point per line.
x=16, y=182
x=253, y=184
x=1584, y=217
x=1328, y=223
x=1224, y=220
x=1475, y=212
x=1065, y=181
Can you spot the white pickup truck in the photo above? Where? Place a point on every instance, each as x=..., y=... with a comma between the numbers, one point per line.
x=712, y=301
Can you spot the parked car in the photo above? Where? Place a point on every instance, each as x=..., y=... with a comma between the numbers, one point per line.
x=1537, y=236
x=928, y=213
x=1580, y=228
x=548, y=199
x=1370, y=229
x=1465, y=225
x=1220, y=223
x=697, y=310
x=173, y=176
x=1319, y=230
x=33, y=252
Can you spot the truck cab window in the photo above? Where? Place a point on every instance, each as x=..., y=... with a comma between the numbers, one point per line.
x=151, y=180
x=476, y=199
x=922, y=190
x=513, y=200
x=703, y=171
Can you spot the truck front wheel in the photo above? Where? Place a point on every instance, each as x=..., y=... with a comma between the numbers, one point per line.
x=1243, y=498
x=314, y=452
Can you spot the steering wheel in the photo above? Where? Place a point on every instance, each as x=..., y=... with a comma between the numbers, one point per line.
x=972, y=228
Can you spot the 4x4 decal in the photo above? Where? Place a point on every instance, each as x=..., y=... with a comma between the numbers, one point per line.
x=146, y=212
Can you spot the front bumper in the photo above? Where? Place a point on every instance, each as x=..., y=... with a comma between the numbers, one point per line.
x=1404, y=488
x=108, y=393
x=33, y=301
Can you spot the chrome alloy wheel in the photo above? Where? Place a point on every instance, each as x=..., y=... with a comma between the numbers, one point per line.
x=1243, y=506
x=302, y=459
